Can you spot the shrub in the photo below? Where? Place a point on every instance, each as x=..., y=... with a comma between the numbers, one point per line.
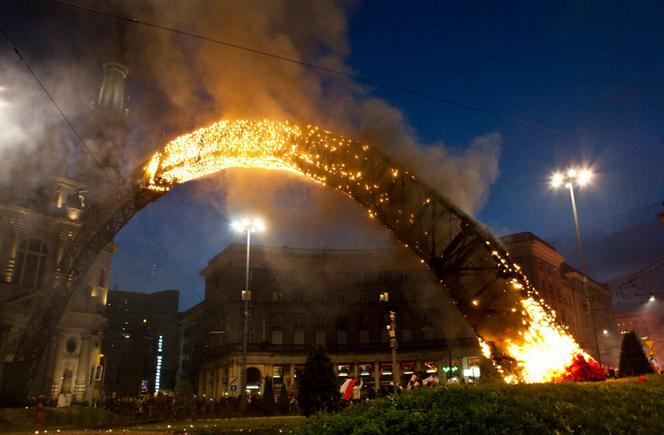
x=633, y=361
x=268, y=397
x=283, y=403
x=317, y=385
x=184, y=401
x=623, y=406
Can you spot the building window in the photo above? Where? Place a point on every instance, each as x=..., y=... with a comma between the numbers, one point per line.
x=364, y=297
x=30, y=263
x=298, y=321
x=319, y=320
x=299, y=297
x=276, y=296
x=341, y=298
x=342, y=322
x=71, y=345
x=364, y=321
x=278, y=321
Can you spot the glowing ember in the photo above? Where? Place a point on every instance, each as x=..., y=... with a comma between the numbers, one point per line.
x=536, y=348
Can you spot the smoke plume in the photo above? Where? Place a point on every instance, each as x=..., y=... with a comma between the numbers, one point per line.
x=179, y=83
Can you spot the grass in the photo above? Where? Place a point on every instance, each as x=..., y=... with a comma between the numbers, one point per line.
x=620, y=406
x=260, y=425
x=23, y=419
x=623, y=406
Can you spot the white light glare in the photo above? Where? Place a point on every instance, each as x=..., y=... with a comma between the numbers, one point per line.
x=651, y=298
x=571, y=176
x=246, y=224
x=584, y=177
x=557, y=179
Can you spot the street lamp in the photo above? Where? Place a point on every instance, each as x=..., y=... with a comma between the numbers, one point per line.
x=569, y=178
x=246, y=225
x=392, y=334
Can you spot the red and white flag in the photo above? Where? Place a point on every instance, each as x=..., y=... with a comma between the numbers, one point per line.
x=346, y=388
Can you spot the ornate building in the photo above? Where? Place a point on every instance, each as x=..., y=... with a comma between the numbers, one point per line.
x=333, y=298
x=39, y=217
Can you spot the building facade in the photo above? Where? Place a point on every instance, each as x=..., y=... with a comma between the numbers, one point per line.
x=41, y=205
x=141, y=342
x=561, y=287
x=32, y=243
x=301, y=298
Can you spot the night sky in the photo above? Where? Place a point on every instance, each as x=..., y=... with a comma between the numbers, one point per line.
x=591, y=72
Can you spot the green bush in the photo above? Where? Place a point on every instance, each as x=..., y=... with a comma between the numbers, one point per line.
x=317, y=388
x=268, y=397
x=633, y=361
x=283, y=402
x=610, y=407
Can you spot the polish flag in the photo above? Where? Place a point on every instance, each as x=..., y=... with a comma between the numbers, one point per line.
x=346, y=388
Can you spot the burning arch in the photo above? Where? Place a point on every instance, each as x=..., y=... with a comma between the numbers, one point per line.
x=514, y=328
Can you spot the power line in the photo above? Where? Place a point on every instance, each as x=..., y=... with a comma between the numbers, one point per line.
x=318, y=67
x=343, y=74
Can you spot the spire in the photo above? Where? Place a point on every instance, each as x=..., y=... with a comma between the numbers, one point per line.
x=112, y=92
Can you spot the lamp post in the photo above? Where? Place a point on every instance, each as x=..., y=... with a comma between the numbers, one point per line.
x=392, y=334
x=246, y=225
x=567, y=179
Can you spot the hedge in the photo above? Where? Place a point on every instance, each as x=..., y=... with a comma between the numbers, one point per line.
x=622, y=406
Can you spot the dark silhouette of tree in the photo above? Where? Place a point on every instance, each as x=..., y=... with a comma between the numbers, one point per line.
x=268, y=397
x=633, y=361
x=317, y=386
x=283, y=403
x=184, y=401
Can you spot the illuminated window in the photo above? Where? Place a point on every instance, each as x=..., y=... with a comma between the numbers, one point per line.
x=30, y=263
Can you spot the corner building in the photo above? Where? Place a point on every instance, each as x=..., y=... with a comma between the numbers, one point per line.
x=561, y=287
x=302, y=298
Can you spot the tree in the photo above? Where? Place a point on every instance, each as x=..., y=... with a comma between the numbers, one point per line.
x=317, y=385
x=268, y=397
x=633, y=361
x=283, y=404
x=184, y=401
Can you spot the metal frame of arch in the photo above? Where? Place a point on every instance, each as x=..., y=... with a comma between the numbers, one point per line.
x=468, y=261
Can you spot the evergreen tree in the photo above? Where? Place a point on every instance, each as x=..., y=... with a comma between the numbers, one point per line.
x=268, y=397
x=633, y=361
x=317, y=385
x=184, y=401
x=283, y=403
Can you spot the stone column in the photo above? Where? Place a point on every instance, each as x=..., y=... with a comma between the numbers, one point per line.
x=56, y=355
x=10, y=266
x=83, y=370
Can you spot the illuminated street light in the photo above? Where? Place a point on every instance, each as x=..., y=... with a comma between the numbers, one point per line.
x=651, y=298
x=569, y=178
x=246, y=225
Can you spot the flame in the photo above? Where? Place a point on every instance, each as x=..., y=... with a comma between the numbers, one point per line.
x=542, y=350
x=545, y=350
